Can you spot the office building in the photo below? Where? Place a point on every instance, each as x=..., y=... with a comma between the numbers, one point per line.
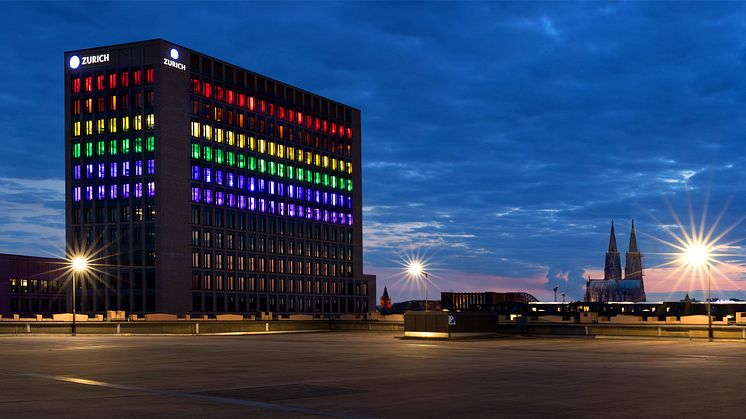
x=200, y=186
x=32, y=285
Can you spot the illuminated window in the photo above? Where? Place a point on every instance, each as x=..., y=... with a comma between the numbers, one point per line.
x=113, y=191
x=150, y=144
x=138, y=145
x=125, y=123
x=149, y=76
x=262, y=146
x=138, y=190
x=262, y=166
x=125, y=168
x=241, y=161
x=76, y=194
x=89, y=193
x=113, y=147
x=195, y=129
x=75, y=108
x=76, y=150
x=89, y=149
x=138, y=167
x=218, y=156
x=151, y=167
x=207, y=153
x=101, y=148
x=151, y=189
x=101, y=126
x=150, y=121
x=208, y=175
x=231, y=158
x=112, y=125
x=126, y=190
x=125, y=78
x=113, y=170
x=101, y=193
x=100, y=82
x=125, y=146
x=76, y=172
x=138, y=122
x=101, y=170
x=76, y=85
x=195, y=194
x=137, y=77
x=88, y=84
x=195, y=151
x=76, y=129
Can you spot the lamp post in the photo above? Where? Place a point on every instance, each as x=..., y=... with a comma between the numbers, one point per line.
x=698, y=254
x=79, y=265
x=415, y=270
x=709, y=311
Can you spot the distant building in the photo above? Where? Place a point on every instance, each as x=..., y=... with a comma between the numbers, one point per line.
x=613, y=287
x=385, y=300
x=32, y=285
x=482, y=301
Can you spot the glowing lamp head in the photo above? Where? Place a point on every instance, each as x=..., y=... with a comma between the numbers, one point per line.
x=415, y=269
x=79, y=264
x=696, y=254
x=74, y=62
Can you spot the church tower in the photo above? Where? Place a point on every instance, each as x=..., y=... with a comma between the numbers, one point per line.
x=613, y=264
x=633, y=258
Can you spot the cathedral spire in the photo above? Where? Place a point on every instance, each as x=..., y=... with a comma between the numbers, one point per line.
x=613, y=264
x=633, y=258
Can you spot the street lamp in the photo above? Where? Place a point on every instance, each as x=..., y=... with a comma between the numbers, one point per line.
x=698, y=254
x=416, y=269
x=79, y=264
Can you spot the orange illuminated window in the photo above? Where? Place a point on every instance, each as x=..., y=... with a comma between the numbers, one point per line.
x=252, y=103
x=299, y=116
x=262, y=106
x=125, y=79
x=113, y=81
x=76, y=85
x=219, y=92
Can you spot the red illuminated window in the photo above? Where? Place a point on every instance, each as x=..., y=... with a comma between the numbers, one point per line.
x=124, y=79
x=137, y=77
x=207, y=89
x=262, y=106
x=291, y=115
x=334, y=128
x=349, y=133
x=113, y=81
x=309, y=121
x=219, y=92
x=100, y=82
x=195, y=86
x=281, y=113
x=149, y=76
x=76, y=85
x=316, y=124
x=325, y=125
x=252, y=103
x=89, y=84
x=299, y=116
x=229, y=96
x=281, y=130
x=272, y=109
x=241, y=100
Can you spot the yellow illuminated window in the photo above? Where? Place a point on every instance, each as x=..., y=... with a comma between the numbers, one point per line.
x=207, y=132
x=241, y=141
x=101, y=125
x=272, y=148
x=219, y=135
x=349, y=168
x=88, y=127
x=88, y=105
x=138, y=122
x=334, y=163
x=252, y=143
x=262, y=146
x=309, y=158
x=195, y=129
x=299, y=155
x=326, y=162
x=280, y=151
x=230, y=137
x=125, y=123
x=317, y=159
x=112, y=125
x=150, y=121
x=76, y=129
x=291, y=153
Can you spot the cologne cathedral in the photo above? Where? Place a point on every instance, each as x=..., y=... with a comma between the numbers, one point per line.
x=613, y=287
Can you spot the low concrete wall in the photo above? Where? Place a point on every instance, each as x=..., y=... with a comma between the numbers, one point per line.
x=608, y=329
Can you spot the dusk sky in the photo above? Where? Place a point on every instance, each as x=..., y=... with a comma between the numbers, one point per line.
x=499, y=139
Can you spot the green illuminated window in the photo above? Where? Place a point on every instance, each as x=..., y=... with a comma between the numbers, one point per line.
x=100, y=148
x=208, y=153
x=299, y=173
x=280, y=170
x=76, y=151
x=113, y=147
x=195, y=151
x=218, y=156
x=241, y=161
x=252, y=164
x=272, y=168
x=231, y=158
x=326, y=180
x=349, y=185
x=262, y=166
x=291, y=172
x=88, y=149
x=341, y=183
x=334, y=181
x=309, y=176
x=126, y=146
x=150, y=144
x=138, y=145
x=317, y=178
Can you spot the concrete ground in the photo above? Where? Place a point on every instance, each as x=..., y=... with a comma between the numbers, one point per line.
x=371, y=374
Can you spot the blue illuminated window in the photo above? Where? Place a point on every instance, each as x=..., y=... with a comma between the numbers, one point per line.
x=231, y=200
x=261, y=185
x=89, y=193
x=241, y=182
x=262, y=205
x=101, y=170
x=272, y=187
x=76, y=194
x=218, y=198
x=113, y=192
x=151, y=167
x=195, y=173
x=252, y=184
x=252, y=203
x=242, y=202
x=89, y=171
x=208, y=196
x=151, y=189
x=208, y=175
x=76, y=172
x=138, y=190
x=291, y=210
x=126, y=190
x=229, y=179
x=101, y=192
x=125, y=168
x=195, y=194
x=219, y=177
x=113, y=169
x=138, y=168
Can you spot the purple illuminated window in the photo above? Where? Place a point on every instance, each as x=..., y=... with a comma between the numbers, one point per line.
x=317, y=214
x=349, y=219
x=261, y=185
x=326, y=198
x=113, y=170
x=229, y=179
x=113, y=191
x=219, y=177
x=291, y=191
x=89, y=171
x=126, y=190
x=125, y=168
x=89, y=193
x=101, y=170
x=151, y=167
x=271, y=206
x=151, y=189
x=76, y=173
x=317, y=196
x=208, y=175
x=208, y=196
x=334, y=216
x=326, y=216
x=231, y=200
x=218, y=198
x=101, y=192
x=195, y=173
x=195, y=194
x=291, y=210
x=309, y=213
x=138, y=168
x=349, y=202
x=309, y=195
x=252, y=203
x=76, y=194
x=300, y=211
x=252, y=184
x=281, y=189
x=334, y=199
x=299, y=192
x=138, y=190
x=282, y=207
x=272, y=187
x=262, y=205
x=241, y=201
x=241, y=182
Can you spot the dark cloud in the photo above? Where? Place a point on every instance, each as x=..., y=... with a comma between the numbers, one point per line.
x=507, y=134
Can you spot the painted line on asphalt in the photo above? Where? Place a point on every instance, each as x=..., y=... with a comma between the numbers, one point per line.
x=186, y=395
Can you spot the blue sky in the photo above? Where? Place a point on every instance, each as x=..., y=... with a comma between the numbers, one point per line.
x=499, y=139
